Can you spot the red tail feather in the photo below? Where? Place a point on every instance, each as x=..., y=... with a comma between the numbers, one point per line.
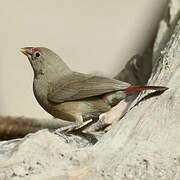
x=140, y=88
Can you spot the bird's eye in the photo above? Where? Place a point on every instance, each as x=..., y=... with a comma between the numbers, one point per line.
x=37, y=54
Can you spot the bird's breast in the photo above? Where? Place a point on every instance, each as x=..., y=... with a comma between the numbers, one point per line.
x=40, y=89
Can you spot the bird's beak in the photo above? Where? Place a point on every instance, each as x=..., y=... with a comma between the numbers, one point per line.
x=27, y=51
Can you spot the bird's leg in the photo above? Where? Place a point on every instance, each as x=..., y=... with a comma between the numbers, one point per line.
x=63, y=130
x=66, y=128
x=77, y=124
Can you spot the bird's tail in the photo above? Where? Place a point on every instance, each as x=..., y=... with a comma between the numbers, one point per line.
x=141, y=88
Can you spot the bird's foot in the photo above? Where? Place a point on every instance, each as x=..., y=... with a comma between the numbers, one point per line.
x=64, y=130
x=61, y=134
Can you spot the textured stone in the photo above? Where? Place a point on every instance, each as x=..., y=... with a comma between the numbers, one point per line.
x=144, y=144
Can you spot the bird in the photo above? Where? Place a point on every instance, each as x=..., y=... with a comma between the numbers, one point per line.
x=74, y=96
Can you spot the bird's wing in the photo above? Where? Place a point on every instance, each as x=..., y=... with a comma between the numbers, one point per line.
x=78, y=86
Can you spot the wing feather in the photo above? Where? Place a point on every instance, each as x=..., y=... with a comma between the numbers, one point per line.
x=78, y=86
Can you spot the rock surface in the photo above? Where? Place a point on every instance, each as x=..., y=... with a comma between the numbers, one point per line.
x=144, y=144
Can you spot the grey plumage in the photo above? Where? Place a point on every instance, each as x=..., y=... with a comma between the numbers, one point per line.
x=73, y=96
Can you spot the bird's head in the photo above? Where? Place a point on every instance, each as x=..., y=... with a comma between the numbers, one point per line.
x=43, y=60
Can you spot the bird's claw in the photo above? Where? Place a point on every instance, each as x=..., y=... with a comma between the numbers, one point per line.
x=60, y=133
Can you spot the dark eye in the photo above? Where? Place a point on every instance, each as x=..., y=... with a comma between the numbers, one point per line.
x=37, y=54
